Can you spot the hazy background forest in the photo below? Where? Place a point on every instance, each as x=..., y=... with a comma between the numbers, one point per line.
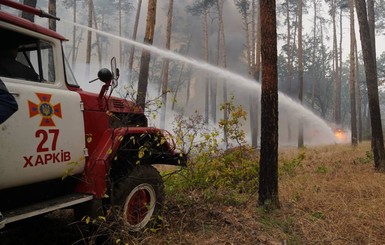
x=325, y=58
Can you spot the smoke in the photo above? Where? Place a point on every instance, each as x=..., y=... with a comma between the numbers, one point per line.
x=316, y=130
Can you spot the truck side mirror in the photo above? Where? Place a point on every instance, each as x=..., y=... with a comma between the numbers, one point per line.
x=105, y=75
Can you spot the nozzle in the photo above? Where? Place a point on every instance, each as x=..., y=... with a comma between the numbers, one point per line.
x=48, y=15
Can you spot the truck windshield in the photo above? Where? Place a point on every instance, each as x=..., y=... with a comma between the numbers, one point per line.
x=70, y=77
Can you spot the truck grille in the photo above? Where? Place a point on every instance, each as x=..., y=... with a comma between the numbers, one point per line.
x=118, y=103
x=128, y=120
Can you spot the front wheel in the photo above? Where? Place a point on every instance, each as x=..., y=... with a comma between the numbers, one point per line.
x=139, y=198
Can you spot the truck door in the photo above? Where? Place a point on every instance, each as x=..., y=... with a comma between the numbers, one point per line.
x=44, y=139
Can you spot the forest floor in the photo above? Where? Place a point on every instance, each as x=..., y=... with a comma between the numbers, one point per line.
x=328, y=195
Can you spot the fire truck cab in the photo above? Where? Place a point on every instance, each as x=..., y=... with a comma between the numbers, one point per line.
x=66, y=147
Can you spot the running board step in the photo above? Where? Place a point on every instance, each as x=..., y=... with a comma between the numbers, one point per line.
x=42, y=208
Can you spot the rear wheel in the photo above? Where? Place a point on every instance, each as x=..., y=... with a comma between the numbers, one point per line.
x=139, y=198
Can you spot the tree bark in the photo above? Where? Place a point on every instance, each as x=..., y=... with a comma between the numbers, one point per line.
x=120, y=31
x=340, y=68
x=289, y=61
x=206, y=45
x=74, y=37
x=268, y=173
x=97, y=35
x=253, y=36
x=52, y=10
x=335, y=60
x=313, y=56
x=371, y=81
x=89, y=34
x=26, y=15
x=359, y=96
x=372, y=32
x=52, y=26
x=224, y=63
x=352, y=78
x=257, y=73
x=337, y=95
x=146, y=55
x=300, y=73
x=132, y=51
x=166, y=63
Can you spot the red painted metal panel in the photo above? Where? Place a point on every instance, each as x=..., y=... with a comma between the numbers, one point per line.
x=94, y=176
x=29, y=25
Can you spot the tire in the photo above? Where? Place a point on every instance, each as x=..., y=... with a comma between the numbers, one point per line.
x=139, y=198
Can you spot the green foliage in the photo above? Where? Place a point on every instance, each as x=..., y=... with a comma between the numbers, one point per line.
x=192, y=132
x=71, y=168
x=272, y=220
x=321, y=169
x=224, y=178
x=289, y=167
x=367, y=159
x=232, y=123
x=317, y=215
x=213, y=174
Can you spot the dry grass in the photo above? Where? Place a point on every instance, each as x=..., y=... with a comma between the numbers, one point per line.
x=336, y=198
x=333, y=196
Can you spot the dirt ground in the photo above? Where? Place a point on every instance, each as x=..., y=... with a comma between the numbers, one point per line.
x=333, y=196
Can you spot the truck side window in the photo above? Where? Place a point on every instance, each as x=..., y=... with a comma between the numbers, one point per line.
x=10, y=65
x=45, y=53
x=26, y=57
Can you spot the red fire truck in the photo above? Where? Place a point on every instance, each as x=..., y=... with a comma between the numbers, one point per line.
x=66, y=147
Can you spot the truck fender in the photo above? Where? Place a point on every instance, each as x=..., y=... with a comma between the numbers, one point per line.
x=96, y=168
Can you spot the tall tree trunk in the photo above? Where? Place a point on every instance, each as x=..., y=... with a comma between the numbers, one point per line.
x=180, y=80
x=253, y=37
x=340, y=66
x=212, y=82
x=52, y=26
x=89, y=38
x=359, y=96
x=52, y=10
x=188, y=86
x=206, y=44
x=224, y=63
x=372, y=32
x=289, y=62
x=254, y=124
x=337, y=82
x=249, y=54
x=146, y=55
x=120, y=31
x=323, y=68
x=257, y=72
x=74, y=37
x=300, y=73
x=166, y=63
x=371, y=80
x=313, y=56
x=293, y=48
x=255, y=64
x=97, y=35
x=132, y=51
x=288, y=40
x=352, y=78
x=268, y=172
x=26, y=15
x=213, y=98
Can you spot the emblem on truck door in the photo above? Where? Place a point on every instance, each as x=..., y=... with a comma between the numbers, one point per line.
x=45, y=109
